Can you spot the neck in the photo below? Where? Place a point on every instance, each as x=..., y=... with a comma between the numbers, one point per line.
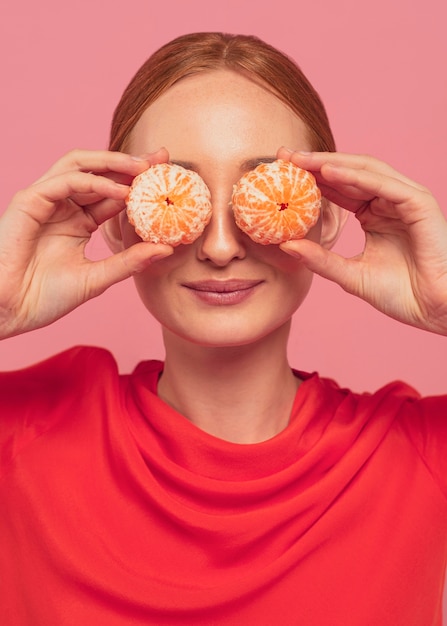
x=242, y=394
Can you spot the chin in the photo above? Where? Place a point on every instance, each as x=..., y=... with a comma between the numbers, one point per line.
x=230, y=336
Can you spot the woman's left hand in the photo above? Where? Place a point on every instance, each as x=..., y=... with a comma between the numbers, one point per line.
x=402, y=270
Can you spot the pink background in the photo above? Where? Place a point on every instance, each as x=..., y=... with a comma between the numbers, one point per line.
x=380, y=68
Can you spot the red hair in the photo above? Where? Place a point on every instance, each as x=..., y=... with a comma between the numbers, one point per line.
x=201, y=52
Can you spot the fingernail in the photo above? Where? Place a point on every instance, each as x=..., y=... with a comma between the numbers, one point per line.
x=159, y=257
x=287, y=250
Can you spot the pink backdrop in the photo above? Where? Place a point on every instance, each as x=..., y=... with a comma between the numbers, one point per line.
x=380, y=68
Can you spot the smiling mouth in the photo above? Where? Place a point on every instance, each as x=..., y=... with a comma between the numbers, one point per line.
x=223, y=292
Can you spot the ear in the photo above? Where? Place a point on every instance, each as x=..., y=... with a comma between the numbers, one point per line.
x=333, y=221
x=111, y=231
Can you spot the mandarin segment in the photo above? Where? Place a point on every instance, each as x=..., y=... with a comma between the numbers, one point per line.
x=276, y=202
x=169, y=204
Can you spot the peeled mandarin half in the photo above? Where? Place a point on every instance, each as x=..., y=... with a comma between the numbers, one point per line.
x=169, y=204
x=276, y=202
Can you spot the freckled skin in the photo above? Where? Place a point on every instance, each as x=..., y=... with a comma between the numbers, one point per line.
x=214, y=123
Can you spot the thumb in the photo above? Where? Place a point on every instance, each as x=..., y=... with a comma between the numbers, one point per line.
x=323, y=262
x=105, y=273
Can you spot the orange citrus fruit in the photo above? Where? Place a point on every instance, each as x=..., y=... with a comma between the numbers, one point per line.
x=276, y=202
x=169, y=204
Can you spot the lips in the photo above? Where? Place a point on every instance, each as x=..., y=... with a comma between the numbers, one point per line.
x=222, y=292
x=222, y=286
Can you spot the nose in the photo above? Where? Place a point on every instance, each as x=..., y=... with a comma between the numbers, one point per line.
x=222, y=241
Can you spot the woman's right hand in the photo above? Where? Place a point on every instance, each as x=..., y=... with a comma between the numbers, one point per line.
x=44, y=272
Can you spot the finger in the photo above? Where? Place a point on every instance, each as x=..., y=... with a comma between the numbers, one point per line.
x=392, y=196
x=76, y=183
x=350, y=199
x=105, y=209
x=347, y=196
x=94, y=161
x=323, y=262
x=161, y=156
x=314, y=161
x=118, y=267
x=105, y=162
x=39, y=202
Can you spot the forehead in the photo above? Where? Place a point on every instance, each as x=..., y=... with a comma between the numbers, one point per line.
x=221, y=102
x=224, y=86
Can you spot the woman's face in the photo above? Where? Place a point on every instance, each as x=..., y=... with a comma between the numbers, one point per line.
x=224, y=289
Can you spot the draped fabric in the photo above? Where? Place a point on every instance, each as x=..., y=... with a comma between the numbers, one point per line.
x=117, y=510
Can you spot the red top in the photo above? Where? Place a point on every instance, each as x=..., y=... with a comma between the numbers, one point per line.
x=116, y=510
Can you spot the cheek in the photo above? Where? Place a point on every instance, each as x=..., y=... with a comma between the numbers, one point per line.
x=315, y=233
x=127, y=231
x=290, y=270
x=289, y=283
x=157, y=285
x=152, y=290
x=296, y=284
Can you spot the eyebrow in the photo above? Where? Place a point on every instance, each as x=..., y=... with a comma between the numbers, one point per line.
x=250, y=164
x=186, y=164
x=246, y=166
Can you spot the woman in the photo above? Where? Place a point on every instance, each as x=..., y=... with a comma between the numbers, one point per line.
x=220, y=487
